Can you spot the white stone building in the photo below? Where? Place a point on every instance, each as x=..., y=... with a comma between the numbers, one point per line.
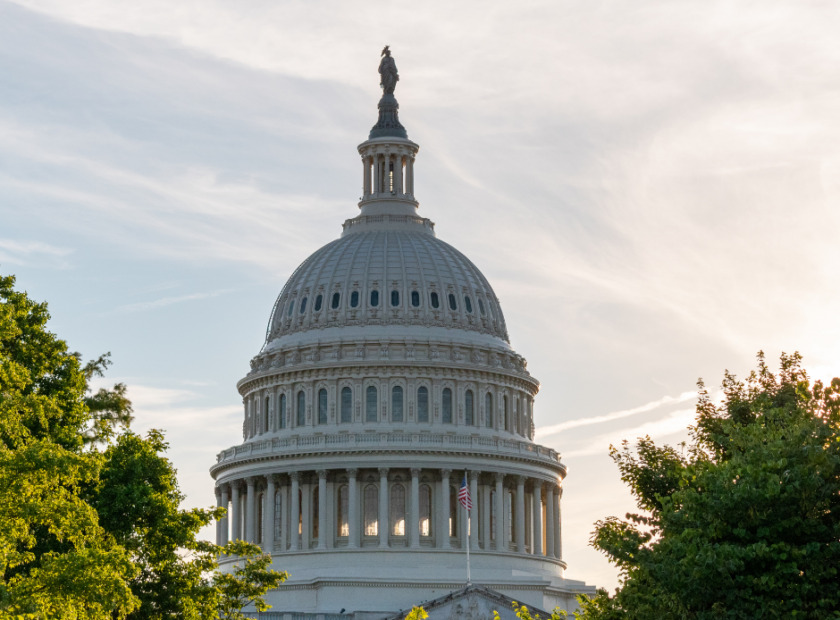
x=386, y=377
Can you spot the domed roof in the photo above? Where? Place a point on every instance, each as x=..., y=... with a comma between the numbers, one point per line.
x=383, y=278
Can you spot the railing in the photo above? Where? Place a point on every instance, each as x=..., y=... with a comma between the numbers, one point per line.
x=349, y=441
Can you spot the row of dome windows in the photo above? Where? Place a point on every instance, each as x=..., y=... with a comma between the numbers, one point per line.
x=397, y=407
x=434, y=301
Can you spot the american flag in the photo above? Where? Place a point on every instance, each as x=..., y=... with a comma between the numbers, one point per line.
x=464, y=494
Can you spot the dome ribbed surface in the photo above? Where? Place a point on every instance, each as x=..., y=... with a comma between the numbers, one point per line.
x=387, y=261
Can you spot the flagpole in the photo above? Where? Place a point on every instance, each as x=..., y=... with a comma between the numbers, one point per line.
x=468, y=547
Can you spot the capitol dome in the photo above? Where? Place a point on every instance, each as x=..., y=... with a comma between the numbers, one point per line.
x=386, y=389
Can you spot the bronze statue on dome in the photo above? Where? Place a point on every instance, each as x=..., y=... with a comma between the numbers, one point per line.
x=388, y=71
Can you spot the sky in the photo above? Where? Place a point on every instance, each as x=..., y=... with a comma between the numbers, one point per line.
x=652, y=188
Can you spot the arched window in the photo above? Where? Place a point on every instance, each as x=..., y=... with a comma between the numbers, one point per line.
x=371, y=403
x=303, y=305
x=346, y=405
x=398, y=510
x=343, y=512
x=446, y=406
x=335, y=300
x=371, y=510
x=481, y=306
x=435, y=300
x=453, y=512
x=322, y=406
x=374, y=298
x=315, y=509
x=468, y=408
x=397, y=404
x=488, y=410
x=354, y=299
x=278, y=516
x=422, y=404
x=318, y=301
x=281, y=412
x=415, y=299
x=425, y=510
x=453, y=305
x=266, y=413
x=291, y=307
x=468, y=303
x=301, y=412
x=395, y=298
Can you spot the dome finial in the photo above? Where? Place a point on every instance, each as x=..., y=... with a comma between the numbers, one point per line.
x=388, y=124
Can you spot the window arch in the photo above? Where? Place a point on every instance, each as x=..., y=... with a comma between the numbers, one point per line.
x=435, y=300
x=343, y=512
x=346, y=405
x=425, y=510
x=397, y=404
x=422, y=404
x=453, y=511
x=301, y=409
x=398, y=510
x=336, y=298
x=322, y=406
x=371, y=404
x=469, y=408
x=354, y=299
x=267, y=408
x=303, y=305
x=374, y=298
x=446, y=406
x=371, y=510
x=319, y=300
x=468, y=303
x=453, y=305
x=315, y=511
x=415, y=299
x=395, y=298
x=488, y=408
x=281, y=412
x=278, y=515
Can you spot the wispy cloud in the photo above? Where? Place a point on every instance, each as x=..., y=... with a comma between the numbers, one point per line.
x=164, y=301
x=18, y=252
x=544, y=431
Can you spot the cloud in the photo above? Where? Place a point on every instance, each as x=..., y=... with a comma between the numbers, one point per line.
x=18, y=252
x=164, y=301
x=617, y=415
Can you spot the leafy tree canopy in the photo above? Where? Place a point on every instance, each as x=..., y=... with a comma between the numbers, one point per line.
x=744, y=521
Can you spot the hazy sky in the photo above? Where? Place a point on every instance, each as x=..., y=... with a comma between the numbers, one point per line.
x=653, y=189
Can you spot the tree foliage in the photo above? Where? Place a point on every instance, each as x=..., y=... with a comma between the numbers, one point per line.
x=744, y=522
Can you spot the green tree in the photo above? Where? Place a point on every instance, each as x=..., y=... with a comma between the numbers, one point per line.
x=743, y=522
x=246, y=584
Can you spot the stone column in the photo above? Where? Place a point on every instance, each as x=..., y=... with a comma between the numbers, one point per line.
x=558, y=525
x=549, y=520
x=398, y=183
x=443, y=538
x=384, y=525
x=519, y=523
x=415, y=508
x=409, y=174
x=250, y=509
x=353, y=521
x=284, y=525
x=501, y=538
x=377, y=174
x=306, y=513
x=474, y=512
x=323, y=521
x=218, y=521
x=235, y=510
x=268, y=513
x=294, y=517
x=538, y=529
x=365, y=176
x=223, y=523
x=485, y=516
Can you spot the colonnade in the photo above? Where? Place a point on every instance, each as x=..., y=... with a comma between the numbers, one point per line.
x=377, y=179
x=392, y=507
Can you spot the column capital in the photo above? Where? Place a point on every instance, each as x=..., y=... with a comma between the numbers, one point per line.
x=218, y=492
x=295, y=476
x=474, y=475
x=322, y=474
x=560, y=490
x=251, y=480
x=415, y=472
x=500, y=476
x=520, y=480
x=275, y=478
x=235, y=484
x=383, y=472
x=445, y=473
x=537, y=484
x=353, y=473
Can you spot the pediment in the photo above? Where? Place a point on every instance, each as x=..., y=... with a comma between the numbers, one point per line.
x=471, y=603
